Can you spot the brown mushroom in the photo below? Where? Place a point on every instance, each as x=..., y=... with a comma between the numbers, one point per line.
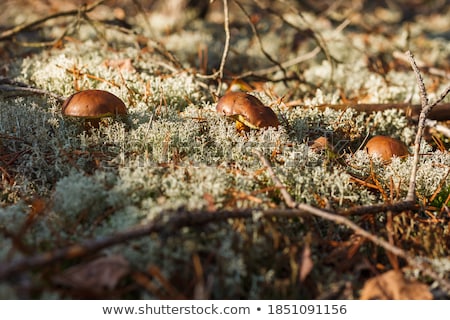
x=247, y=110
x=93, y=105
x=386, y=147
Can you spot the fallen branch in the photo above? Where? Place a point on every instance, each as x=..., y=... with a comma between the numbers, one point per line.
x=424, y=113
x=314, y=33
x=218, y=75
x=289, y=63
x=9, y=85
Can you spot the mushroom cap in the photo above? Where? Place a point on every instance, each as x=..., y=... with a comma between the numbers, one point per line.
x=386, y=147
x=93, y=104
x=247, y=109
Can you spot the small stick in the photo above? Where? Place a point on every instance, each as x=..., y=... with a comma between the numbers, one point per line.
x=181, y=219
x=226, y=48
x=7, y=85
x=426, y=109
x=315, y=34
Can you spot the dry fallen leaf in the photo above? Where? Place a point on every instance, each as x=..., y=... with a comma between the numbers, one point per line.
x=392, y=285
x=96, y=275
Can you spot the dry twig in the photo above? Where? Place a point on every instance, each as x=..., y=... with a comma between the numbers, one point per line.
x=315, y=34
x=226, y=48
x=9, y=85
x=426, y=109
x=258, y=38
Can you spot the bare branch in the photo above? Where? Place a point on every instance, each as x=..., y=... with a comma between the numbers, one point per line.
x=226, y=48
x=426, y=109
x=315, y=34
x=286, y=64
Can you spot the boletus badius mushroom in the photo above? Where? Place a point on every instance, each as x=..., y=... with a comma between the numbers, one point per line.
x=247, y=110
x=386, y=147
x=93, y=105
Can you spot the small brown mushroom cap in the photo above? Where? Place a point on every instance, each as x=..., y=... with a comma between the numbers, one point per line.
x=386, y=147
x=93, y=104
x=247, y=109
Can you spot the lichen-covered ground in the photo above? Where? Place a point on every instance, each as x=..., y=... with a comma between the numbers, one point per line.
x=62, y=186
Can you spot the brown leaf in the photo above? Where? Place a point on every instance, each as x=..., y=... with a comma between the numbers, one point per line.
x=392, y=285
x=99, y=274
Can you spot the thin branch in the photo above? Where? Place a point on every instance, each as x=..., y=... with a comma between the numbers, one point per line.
x=423, y=115
x=226, y=48
x=426, y=109
x=178, y=220
x=315, y=34
x=258, y=38
x=9, y=85
x=218, y=75
x=441, y=98
x=286, y=64
x=438, y=127
x=376, y=208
